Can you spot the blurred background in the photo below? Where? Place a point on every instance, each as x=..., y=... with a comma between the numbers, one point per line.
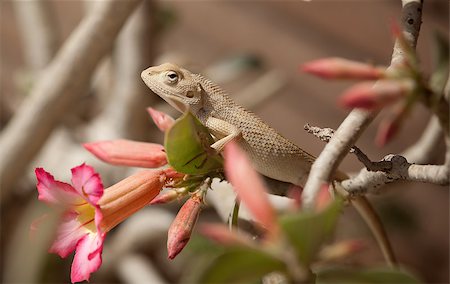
x=253, y=49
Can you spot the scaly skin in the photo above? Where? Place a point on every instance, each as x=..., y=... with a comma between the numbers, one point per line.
x=270, y=153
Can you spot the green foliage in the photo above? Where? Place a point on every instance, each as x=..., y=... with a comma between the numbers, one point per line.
x=353, y=276
x=187, y=145
x=240, y=264
x=307, y=231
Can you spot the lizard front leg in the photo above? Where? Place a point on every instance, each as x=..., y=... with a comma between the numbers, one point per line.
x=221, y=128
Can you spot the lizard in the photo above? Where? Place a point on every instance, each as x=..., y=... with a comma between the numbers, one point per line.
x=270, y=153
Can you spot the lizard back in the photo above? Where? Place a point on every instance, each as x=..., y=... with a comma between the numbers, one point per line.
x=270, y=153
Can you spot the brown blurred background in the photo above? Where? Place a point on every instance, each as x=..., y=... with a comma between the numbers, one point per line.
x=254, y=39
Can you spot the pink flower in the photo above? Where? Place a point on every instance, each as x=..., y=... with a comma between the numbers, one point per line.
x=89, y=211
x=80, y=228
x=340, y=68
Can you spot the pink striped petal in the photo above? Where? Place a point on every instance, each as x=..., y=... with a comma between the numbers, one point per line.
x=88, y=183
x=88, y=257
x=69, y=233
x=129, y=153
x=55, y=192
x=249, y=187
x=162, y=120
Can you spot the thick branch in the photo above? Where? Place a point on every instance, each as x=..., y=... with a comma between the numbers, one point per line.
x=125, y=115
x=38, y=30
x=66, y=77
x=357, y=121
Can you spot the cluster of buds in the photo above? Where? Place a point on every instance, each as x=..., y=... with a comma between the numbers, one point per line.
x=396, y=85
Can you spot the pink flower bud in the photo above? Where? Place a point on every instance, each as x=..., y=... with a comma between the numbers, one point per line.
x=128, y=153
x=249, y=187
x=340, y=68
x=323, y=198
x=374, y=96
x=166, y=197
x=162, y=120
x=181, y=228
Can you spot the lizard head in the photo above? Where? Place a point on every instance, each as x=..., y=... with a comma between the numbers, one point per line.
x=175, y=85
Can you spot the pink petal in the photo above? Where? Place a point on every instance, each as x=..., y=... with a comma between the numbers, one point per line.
x=69, y=232
x=87, y=182
x=55, y=192
x=249, y=187
x=162, y=120
x=340, y=68
x=129, y=153
x=88, y=257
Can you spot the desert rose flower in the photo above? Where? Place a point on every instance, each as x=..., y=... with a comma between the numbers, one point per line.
x=90, y=211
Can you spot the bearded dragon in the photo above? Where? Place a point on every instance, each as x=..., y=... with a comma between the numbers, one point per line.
x=271, y=154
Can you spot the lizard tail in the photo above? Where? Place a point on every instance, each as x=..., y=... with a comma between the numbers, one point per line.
x=368, y=213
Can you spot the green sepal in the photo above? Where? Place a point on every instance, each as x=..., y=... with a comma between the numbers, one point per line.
x=187, y=145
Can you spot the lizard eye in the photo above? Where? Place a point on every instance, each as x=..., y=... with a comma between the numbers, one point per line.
x=172, y=76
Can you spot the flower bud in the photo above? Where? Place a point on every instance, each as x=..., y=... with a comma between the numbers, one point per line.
x=340, y=68
x=374, y=96
x=181, y=228
x=162, y=120
x=128, y=153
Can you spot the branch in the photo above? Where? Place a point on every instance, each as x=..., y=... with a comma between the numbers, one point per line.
x=124, y=115
x=369, y=182
x=38, y=31
x=358, y=120
x=66, y=78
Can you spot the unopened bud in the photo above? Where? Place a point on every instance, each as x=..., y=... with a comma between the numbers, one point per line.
x=128, y=153
x=374, y=96
x=340, y=68
x=181, y=228
x=162, y=120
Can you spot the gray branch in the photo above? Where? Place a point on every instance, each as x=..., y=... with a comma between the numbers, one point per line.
x=67, y=77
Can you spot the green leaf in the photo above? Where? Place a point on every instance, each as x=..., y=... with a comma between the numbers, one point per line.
x=353, y=276
x=307, y=231
x=187, y=145
x=240, y=264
